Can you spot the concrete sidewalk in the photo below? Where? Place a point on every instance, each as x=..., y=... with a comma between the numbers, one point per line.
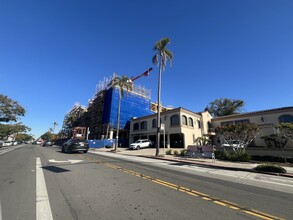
x=218, y=164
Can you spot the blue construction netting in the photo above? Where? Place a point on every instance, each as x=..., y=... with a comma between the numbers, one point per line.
x=108, y=143
x=101, y=143
x=132, y=105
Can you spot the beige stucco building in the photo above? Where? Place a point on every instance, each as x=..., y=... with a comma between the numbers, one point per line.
x=182, y=127
x=266, y=120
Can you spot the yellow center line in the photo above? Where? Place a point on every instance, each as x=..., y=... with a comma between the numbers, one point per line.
x=194, y=193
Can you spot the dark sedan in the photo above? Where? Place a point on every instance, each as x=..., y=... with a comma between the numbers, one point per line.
x=75, y=145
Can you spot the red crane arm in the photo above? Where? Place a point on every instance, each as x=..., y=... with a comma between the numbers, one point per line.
x=146, y=73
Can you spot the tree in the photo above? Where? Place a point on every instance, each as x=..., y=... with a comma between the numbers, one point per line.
x=23, y=137
x=224, y=106
x=10, y=129
x=284, y=133
x=122, y=84
x=47, y=136
x=55, y=124
x=238, y=136
x=201, y=141
x=160, y=59
x=10, y=109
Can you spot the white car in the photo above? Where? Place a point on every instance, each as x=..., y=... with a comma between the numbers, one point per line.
x=141, y=143
x=233, y=144
x=7, y=143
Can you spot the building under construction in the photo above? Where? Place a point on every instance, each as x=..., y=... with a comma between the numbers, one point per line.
x=100, y=116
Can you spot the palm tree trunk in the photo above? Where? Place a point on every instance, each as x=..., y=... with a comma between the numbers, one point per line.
x=159, y=109
x=118, y=121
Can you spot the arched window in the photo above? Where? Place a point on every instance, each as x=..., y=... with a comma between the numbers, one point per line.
x=286, y=118
x=190, y=122
x=174, y=120
x=184, y=120
x=154, y=123
x=136, y=126
x=143, y=125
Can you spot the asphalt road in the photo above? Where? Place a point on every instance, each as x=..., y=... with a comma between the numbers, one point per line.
x=43, y=183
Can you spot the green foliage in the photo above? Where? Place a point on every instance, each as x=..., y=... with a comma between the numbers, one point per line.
x=162, y=53
x=271, y=159
x=176, y=152
x=244, y=133
x=219, y=154
x=169, y=152
x=23, y=137
x=123, y=83
x=10, y=109
x=202, y=141
x=224, y=106
x=10, y=129
x=239, y=156
x=270, y=168
x=285, y=130
x=183, y=152
x=47, y=136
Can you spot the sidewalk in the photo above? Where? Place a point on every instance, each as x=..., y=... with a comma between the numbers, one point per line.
x=240, y=166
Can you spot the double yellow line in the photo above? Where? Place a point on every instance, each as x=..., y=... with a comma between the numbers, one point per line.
x=191, y=192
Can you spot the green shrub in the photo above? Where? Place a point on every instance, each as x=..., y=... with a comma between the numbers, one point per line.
x=169, y=152
x=219, y=154
x=272, y=159
x=270, y=168
x=183, y=152
x=233, y=156
x=176, y=152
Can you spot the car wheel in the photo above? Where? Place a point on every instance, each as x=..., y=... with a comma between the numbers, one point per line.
x=138, y=147
x=62, y=150
x=85, y=151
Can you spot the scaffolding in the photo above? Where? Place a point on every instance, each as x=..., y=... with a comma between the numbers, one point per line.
x=101, y=114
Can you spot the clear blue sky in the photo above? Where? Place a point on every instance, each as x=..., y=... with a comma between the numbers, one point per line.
x=54, y=53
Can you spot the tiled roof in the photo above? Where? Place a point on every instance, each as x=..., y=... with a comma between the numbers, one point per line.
x=256, y=112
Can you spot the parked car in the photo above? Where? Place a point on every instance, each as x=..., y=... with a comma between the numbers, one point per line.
x=233, y=144
x=7, y=143
x=141, y=143
x=39, y=142
x=75, y=145
x=47, y=143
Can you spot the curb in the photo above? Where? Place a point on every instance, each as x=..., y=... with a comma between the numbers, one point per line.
x=289, y=175
x=219, y=167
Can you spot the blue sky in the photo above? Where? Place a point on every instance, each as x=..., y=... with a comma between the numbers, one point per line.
x=54, y=53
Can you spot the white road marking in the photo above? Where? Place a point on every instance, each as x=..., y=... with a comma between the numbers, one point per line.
x=65, y=161
x=43, y=208
x=10, y=148
x=0, y=211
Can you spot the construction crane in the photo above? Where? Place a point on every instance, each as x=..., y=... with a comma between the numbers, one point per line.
x=146, y=73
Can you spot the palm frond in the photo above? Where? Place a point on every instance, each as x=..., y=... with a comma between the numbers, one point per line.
x=155, y=59
x=162, y=52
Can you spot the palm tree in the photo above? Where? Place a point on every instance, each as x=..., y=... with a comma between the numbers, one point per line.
x=55, y=124
x=123, y=83
x=160, y=59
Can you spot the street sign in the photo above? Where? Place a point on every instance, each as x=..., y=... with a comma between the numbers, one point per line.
x=162, y=127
